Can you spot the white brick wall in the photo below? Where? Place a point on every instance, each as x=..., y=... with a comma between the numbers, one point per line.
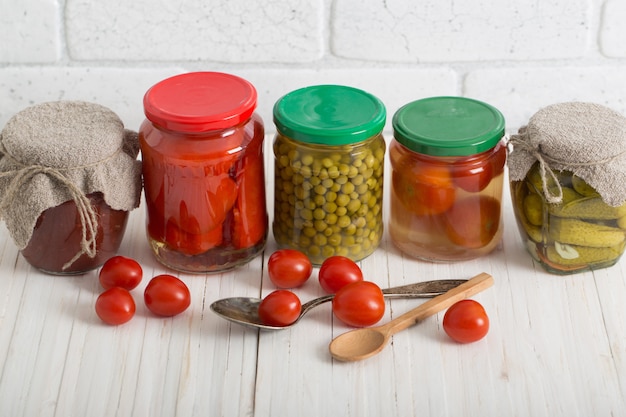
x=518, y=55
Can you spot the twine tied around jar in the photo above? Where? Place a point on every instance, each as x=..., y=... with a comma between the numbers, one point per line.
x=586, y=139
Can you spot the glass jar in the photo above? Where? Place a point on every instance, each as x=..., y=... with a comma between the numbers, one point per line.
x=567, y=171
x=58, y=233
x=328, y=177
x=581, y=232
x=447, y=160
x=204, y=182
x=69, y=176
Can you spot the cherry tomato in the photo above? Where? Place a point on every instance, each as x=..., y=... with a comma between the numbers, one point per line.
x=499, y=160
x=166, y=295
x=425, y=188
x=473, y=173
x=466, y=321
x=337, y=272
x=115, y=306
x=473, y=222
x=120, y=271
x=359, y=304
x=280, y=308
x=289, y=268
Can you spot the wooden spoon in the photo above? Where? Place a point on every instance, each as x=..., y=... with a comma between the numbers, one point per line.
x=362, y=343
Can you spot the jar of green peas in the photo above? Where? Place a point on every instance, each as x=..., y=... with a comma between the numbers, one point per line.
x=328, y=177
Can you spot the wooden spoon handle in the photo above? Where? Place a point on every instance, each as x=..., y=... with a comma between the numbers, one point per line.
x=473, y=286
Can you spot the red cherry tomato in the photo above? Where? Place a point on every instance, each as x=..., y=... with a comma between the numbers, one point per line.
x=166, y=295
x=359, y=304
x=425, y=188
x=337, y=272
x=473, y=222
x=120, y=271
x=115, y=306
x=466, y=321
x=289, y=268
x=473, y=174
x=280, y=308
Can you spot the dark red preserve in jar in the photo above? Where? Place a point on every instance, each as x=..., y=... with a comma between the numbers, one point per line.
x=203, y=168
x=58, y=234
x=68, y=179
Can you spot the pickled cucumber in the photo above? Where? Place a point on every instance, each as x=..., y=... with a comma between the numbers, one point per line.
x=583, y=188
x=581, y=233
x=328, y=200
x=592, y=208
x=533, y=209
x=536, y=183
x=586, y=255
x=519, y=191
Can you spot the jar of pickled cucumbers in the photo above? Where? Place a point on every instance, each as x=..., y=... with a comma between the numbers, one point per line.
x=447, y=160
x=328, y=178
x=204, y=184
x=568, y=186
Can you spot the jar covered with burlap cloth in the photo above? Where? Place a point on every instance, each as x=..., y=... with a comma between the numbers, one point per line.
x=568, y=186
x=69, y=176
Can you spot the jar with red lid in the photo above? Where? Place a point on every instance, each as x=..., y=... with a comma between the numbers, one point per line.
x=447, y=159
x=203, y=168
x=69, y=176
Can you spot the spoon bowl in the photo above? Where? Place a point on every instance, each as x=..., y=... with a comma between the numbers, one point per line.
x=366, y=342
x=245, y=310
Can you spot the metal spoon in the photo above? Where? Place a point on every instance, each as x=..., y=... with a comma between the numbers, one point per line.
x=365, y=342
x=244, y=310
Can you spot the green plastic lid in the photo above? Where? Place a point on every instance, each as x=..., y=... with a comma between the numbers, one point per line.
x=329, y=115
x=448, y=126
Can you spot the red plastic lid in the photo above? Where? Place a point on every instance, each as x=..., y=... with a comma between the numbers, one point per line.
x=200, y=101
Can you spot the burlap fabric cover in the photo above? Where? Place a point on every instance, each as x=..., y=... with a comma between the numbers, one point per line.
x=60, y=151
x=584, y=138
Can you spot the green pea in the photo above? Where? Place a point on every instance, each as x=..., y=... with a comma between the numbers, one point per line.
x=320, y=225
x=328, y=251
x=353, y=206
x=319, y=214
x=334, y=240
x=343, y=221
x=320, y=240
x=306, y=172
x=306, y=214
x=307, y=159
x=348, y=188
x=315, y=251
x=330, y=207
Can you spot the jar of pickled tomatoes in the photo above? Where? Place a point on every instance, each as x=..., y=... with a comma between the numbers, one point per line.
x=447, y=160
x=204, y=182
x=328, y=177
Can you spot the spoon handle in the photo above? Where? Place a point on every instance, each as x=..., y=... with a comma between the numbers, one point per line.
x=473, y=286
x=425, y=289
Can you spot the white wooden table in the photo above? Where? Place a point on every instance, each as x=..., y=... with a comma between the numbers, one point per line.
x=556, y=347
